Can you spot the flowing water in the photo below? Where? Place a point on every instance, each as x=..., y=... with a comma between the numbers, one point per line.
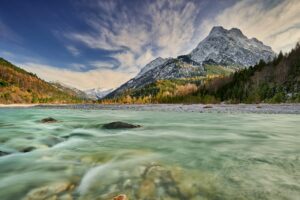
x=173, y=156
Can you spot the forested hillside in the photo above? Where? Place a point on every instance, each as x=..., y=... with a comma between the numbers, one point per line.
x=20, y=86
x=274, y=82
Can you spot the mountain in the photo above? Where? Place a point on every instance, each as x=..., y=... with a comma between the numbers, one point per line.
x=230, y=48
x=276, y=81
x=97, y=93
x=20, y=86
x=221, y=51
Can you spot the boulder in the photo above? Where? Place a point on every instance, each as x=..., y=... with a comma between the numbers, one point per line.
x=49, y=120
x=53, y=191
x=119, y=125
x=77, y=135
x=121, y=197
x=27, y=149
x=3, y=153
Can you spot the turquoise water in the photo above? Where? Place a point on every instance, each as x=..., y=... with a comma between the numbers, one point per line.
x=173, y=156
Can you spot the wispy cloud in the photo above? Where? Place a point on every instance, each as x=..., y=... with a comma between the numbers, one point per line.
x=158, y=28
x=276, y=22
x=81, y=80
x=73, y=50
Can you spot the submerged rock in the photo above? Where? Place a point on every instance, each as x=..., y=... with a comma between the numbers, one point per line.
x=119, y=125
x=27, y=149
x=77, y=135
x=121, y=197
x=53, y=191
x=3, y=153
x=49, y=120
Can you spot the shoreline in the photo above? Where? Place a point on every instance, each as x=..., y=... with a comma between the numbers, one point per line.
x=284, y=108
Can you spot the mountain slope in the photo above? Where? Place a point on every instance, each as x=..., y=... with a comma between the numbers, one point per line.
x=227, y=50
x=20, y=86
x=181, y=67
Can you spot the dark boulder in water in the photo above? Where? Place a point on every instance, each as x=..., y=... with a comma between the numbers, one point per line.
x=49, y=120
x=27, y=149
x=3, y=153
x=119, y=125
x=77, y=135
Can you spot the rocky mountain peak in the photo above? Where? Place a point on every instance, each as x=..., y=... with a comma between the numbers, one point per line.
x=217, y=30
x=230, y=47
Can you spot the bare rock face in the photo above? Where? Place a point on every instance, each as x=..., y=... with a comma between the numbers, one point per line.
x=119, y=125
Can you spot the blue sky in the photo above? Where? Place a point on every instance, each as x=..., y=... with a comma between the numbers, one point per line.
x=103, y=43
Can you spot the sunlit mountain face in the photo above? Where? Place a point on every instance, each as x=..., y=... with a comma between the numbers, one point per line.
x=90, y=44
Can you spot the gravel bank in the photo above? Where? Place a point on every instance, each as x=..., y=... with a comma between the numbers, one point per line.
x=223, y=108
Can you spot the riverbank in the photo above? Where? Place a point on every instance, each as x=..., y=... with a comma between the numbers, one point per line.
x=223, y=108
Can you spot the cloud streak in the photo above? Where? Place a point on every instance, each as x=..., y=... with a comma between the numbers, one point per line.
x=135, y=36
x=82, y=80
x=73, y=50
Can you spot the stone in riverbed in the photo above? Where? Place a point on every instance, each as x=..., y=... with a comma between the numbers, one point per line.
x=3, y=153
x=49, y=120
x=119, y=125
x=27, y=149
x=121, y=197
x=52, y=191
x=77, y=135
